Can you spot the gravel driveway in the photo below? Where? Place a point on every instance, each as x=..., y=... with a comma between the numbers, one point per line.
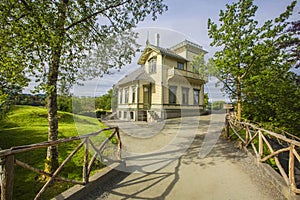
x=183, y=159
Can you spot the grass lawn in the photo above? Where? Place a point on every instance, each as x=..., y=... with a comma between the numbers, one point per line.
x=28, y=125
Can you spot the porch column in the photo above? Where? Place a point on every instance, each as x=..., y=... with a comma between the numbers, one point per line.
x=201, y=95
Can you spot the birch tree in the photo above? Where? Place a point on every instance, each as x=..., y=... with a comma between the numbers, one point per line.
x=55, y=38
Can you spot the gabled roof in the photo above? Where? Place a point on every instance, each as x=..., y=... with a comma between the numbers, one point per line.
x=138, y=74
x=164, y=51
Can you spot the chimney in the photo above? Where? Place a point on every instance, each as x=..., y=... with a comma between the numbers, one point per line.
x=157, y=39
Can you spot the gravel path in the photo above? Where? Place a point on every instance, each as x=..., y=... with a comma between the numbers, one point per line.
x=155, y=171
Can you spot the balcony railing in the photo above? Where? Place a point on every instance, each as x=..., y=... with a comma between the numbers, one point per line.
x=188, y=74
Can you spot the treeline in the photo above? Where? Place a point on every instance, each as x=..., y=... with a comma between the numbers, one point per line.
x=89, y=106
x=31, y=99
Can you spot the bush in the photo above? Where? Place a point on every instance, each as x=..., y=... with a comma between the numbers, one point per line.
x=64, y=103
x=99, y=113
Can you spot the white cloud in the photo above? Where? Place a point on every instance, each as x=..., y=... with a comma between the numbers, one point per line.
x=186, y=20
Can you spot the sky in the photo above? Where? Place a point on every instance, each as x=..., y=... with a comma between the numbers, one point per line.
x=185, y=19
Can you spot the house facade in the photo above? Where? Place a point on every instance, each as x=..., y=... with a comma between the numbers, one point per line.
x=165, y=85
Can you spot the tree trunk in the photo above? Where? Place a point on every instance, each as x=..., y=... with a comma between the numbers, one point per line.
x=52, y=152
x=51, y=163
x=239, y=99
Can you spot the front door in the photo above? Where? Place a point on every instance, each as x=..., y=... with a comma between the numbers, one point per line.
x=147, y=96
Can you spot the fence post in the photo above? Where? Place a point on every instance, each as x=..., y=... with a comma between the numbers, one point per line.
x=227, y=126
x=247, y=134
x=7, y=177
x=85, y=175
x=260, y=145
x=292, y=169
x=119, y=144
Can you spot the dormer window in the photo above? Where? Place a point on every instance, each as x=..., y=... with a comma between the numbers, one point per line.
x=180, y=65
x=152, y=65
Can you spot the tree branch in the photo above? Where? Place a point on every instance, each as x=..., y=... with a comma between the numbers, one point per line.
x=112, y=23
x=226, y=85
x=249, y=69
x=95, y=14
x=26, y=5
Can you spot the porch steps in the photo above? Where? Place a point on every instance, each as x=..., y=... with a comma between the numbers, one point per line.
x=152, y=116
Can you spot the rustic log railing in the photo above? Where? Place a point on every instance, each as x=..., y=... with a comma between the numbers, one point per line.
x=260, y=140
x=7, y=161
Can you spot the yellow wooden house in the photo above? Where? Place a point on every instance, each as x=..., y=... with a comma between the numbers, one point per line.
x=165, y=85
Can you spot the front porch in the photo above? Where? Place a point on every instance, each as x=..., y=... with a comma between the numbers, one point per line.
x=157, y=112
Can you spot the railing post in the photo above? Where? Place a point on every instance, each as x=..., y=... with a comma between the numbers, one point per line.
x=292, y=169
x=7, y=177
x=227, y=126
x=119, y=144
x=85, y=175
x=260, y=145
x=247, y=134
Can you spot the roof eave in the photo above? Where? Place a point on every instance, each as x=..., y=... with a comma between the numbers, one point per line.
x=142, y=60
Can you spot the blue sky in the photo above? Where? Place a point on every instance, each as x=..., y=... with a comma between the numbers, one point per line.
x=185, y=19
x=190, y=16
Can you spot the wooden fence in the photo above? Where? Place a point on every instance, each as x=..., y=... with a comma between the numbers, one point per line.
x=8, y=161
x=268, y=145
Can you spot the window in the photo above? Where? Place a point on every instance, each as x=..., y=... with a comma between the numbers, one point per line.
x=120, y=114
x=125, y=114
x=180, y=65
x=133, y=94
x=131, y=115
x=172, y=94
x=185, y=95
x=126, y=95
x=152, y=65
x=196, y=97
x=121, y=96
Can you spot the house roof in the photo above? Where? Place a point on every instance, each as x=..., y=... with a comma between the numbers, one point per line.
x=139, y=74
x=163, y=51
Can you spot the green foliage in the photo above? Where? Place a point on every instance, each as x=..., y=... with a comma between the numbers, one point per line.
x=206, y=99
x=104, y=102
x=275, y=100
x=292, y=46
x=28, y=125
x=218, y=105
x=205, y=69
x=69, y=41
x=30, y=99
x=87, y=106
x=64, y=103
x=12, y=62
x=12, y=80
x=86, y=38
x=83, y=104
x=247, y=48
x=99, y=113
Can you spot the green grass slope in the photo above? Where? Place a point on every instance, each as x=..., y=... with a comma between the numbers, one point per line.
x=29, y=125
